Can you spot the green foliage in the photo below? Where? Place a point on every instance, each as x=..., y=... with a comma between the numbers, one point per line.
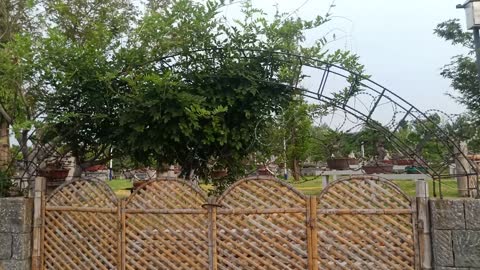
x=328, y=143
x=165, y=84
x=420, y=136
x=331, y=143
x=317, y=150
x=82, y=108
x=297, y=124
x=5, y=183
x=464, y=128
x=20, y=83
x=462, y=70
x=451, y=30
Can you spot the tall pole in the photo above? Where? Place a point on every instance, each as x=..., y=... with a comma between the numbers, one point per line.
x=476, y=40
x=110, y=170
x=363, y=149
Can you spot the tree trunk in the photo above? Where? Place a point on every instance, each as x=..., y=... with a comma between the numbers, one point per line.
x=162, y=170
x=4, y=144
x=77, y=170
x=296, y=173
x=23, y=142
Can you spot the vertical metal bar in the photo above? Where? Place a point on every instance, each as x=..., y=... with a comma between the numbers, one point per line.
x=323, y=82
x=403, y=119
x=375, y=105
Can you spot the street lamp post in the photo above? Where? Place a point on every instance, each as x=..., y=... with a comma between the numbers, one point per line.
x=472, y=12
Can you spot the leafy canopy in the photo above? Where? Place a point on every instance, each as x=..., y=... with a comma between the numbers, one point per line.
x=463, y=73
x=175, y=84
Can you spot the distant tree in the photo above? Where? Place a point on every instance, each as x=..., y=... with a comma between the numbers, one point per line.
x=325, y=144
x=297, y=126
x=465, y=128
x=420, y=136
x=463, y=73
x=462, y=70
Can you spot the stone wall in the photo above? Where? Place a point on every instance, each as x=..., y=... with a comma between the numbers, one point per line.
x=15, y=233
x=455, y=234
x=455, y=225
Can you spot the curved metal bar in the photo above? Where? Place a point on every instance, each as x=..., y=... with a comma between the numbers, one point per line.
x=360, y=81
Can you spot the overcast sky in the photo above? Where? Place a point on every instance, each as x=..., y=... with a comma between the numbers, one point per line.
x=394, y=40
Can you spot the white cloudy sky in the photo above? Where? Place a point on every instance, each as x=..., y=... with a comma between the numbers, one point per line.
x=394, y=39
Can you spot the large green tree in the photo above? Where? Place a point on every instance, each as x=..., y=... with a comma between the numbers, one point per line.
x=463, y=73
x=81, y=69
x=169, y=82
x=19, y=83
x=462, y=70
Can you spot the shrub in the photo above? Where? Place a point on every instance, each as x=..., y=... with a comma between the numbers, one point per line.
x=5, y=183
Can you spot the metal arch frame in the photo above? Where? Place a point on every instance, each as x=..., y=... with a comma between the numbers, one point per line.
x=377, y=91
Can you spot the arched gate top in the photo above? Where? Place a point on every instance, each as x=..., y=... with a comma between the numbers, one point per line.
x=363, y=192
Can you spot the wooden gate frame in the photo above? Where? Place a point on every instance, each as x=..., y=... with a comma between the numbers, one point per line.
x=212, y=209
x=379, y=212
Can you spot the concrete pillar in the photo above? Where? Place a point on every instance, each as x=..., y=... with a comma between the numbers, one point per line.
x=423, y=228
x=462, y=168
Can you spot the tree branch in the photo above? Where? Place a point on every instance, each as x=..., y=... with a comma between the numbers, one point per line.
x=5, y=115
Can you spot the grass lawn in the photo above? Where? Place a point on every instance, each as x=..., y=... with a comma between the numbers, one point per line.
x=449, y=187
x=120, y=186
x=309, y=187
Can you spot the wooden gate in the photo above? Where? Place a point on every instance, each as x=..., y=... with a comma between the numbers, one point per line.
x=359, y=223
x=365, y=223
x=261, y=225
x=81, y=228
x=165, y=227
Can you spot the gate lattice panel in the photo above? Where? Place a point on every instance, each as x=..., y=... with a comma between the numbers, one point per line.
x=359, y=223
x=166, y=227
x=261, y=225
x=81, y=227
x=365, y=223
